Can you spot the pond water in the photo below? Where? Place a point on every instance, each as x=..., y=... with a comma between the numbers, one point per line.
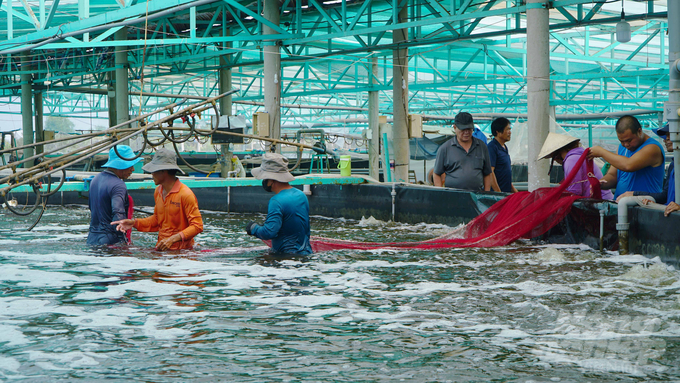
x=226, y=312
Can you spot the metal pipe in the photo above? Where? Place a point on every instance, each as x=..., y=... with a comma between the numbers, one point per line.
x=27, y=104
x=602, y=211
x=122, y=89
x=538, y=88
x=374, y=123
x=61, y=36
x=34, y=173
x=394, y=199
x=672, y=107
x=387, y=171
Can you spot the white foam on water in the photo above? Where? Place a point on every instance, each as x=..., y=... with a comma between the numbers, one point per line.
x=27, y=277
x=152, y=328
x=12, y=335
x=291, y=303
x=145, y=287
x=550, y=254
x=513, y=334
x=370, y=221
x=351, y=281
x=56, y=227
x=107, y=318
x=424, y=288
x=74, y=359
x=655, y=274
x=9, y=364
x=18, y=307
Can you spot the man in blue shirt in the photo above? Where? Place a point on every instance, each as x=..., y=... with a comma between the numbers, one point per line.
x=108, y=198
x=639, y=164
x=500, y=158
x=287, y=223
x=667, y=194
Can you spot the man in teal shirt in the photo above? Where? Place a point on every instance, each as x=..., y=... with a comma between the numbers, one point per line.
x=287, y=223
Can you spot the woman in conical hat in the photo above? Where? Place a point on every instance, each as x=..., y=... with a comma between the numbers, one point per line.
x=566, y=150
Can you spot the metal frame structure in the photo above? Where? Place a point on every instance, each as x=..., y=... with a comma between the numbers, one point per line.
x=463, y=55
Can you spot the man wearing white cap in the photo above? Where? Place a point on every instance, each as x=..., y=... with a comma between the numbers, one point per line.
x=175, y=217
x=287, y=223
x=108, y=198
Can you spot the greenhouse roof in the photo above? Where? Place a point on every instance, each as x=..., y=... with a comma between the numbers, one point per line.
x=463, y=55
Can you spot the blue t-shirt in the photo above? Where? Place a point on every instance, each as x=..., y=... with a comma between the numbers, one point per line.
x=500, y=161
x=287, y=223
x=477, y=133
x=108, y=202
x=649, y=179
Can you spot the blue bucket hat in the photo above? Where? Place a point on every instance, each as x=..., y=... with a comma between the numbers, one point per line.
x=663, y=131
x=118, y=163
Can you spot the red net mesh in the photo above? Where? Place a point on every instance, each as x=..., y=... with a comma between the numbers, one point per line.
x=519, y=215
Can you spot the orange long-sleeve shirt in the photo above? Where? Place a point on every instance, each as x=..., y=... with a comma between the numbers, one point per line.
x=177, y=213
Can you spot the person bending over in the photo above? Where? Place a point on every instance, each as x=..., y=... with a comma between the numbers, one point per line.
x=639, y=164
x=175, y=216
x=287, y=222
x=109, y=200
x=566, y=151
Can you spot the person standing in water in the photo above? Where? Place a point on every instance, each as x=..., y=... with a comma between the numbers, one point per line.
x=109, y=200
x=175, y=217
x=287, y=222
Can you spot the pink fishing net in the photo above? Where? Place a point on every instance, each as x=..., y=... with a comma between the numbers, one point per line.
x=519, y=215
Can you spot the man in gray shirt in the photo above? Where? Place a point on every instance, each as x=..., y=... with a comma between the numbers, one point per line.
x=463, y=161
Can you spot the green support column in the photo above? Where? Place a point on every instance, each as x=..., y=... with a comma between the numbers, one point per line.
x=27, y=105
x=122, y=92
x=374, y=124
x=39, y=132
x=225, y=110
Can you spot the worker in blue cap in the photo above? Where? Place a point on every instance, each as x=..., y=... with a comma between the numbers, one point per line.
x=109, y=199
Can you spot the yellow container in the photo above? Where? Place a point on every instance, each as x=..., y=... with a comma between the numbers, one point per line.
x=345, y=166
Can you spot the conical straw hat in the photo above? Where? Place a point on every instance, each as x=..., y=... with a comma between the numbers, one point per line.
x=553, y=143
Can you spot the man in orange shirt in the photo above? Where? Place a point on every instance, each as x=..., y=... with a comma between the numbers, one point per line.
x=175, y=217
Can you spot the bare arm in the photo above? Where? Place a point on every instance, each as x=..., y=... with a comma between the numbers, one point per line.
x=609, y=180
x=487, y=181
x=650, y=155
x=494, y=181
x=438, y=179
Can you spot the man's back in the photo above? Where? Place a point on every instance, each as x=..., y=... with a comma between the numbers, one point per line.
x=108, y=203
x=287, y=223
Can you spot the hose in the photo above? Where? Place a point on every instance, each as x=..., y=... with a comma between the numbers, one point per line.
x=36, y=190
x=174, y=145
